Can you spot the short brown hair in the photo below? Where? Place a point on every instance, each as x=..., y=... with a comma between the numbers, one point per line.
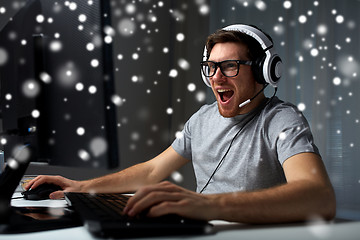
x=255, y=50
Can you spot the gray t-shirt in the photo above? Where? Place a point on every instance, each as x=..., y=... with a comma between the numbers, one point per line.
x=268, y=136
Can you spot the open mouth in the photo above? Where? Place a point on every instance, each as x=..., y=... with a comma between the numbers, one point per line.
x=225, y=94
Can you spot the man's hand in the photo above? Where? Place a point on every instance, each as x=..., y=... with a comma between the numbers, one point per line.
x=66, y=184
x=168, y=198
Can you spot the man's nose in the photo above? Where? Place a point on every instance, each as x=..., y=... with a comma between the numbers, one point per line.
x=218, y=76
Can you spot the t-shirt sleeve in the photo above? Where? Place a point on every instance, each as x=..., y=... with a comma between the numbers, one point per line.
x=292, y=135
x=182, y=142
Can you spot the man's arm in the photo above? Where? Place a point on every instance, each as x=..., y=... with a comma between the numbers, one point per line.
x=308, y=193
x=127, y=180
x=130, y=179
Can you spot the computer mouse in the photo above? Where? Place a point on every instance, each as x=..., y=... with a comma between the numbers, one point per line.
x=42, y=192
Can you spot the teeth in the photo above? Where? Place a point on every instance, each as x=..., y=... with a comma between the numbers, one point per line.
x=223, y=90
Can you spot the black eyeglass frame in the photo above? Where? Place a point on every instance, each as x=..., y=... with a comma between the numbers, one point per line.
x=218, y=64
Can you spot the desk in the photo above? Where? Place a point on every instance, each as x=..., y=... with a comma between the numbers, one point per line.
x=225, y=231
x=338, y=230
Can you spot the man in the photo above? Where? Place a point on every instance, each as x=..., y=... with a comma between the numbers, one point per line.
x=253, y=157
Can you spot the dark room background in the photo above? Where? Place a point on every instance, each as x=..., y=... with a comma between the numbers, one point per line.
x=157, y=46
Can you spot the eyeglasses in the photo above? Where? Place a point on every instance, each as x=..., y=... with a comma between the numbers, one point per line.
x=229, y=68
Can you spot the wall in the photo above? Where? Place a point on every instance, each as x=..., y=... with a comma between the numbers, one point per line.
x=318, y=42
x=167, y=41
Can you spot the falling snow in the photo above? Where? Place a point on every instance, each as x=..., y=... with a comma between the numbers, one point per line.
x=151, y=58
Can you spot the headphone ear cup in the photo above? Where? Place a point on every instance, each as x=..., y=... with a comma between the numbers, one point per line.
x=257, y=70
x=275, y=70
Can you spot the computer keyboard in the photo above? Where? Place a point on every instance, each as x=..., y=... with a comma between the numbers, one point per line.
x=104, y=205
x=102, y=214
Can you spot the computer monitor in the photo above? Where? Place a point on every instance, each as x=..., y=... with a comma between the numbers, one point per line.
x=57, y=84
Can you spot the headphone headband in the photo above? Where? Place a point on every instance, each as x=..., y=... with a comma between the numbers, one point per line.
x=267, y=70
x=252, y=32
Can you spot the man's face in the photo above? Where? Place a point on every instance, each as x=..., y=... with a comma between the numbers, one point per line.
x=232, y=91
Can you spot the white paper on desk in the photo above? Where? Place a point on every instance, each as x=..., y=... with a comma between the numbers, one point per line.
x=50, y=203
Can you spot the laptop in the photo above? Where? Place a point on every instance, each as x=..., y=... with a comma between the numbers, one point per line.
x=102, y=214
x=9, y=180
x=25, y=219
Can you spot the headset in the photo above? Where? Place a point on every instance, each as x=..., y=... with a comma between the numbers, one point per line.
x=267, y=69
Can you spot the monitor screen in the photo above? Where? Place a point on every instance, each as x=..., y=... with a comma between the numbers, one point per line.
x=57, y=84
